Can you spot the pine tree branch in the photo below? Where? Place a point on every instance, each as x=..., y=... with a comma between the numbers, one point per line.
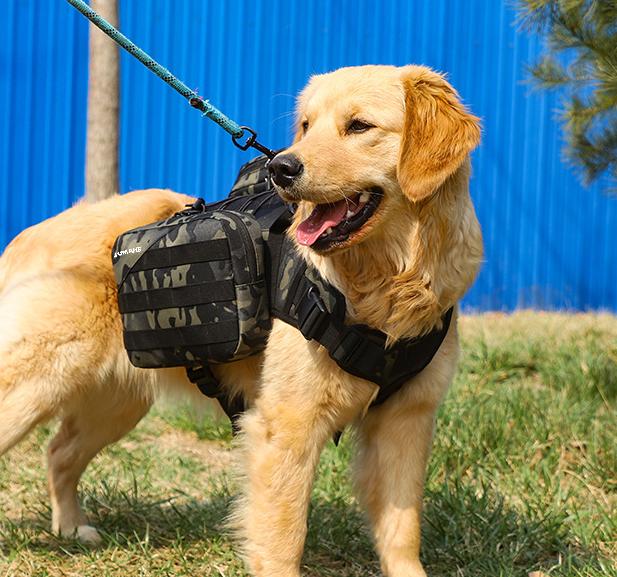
x=582, y=36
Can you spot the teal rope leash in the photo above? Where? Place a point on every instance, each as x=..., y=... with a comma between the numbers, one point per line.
x=233, y=128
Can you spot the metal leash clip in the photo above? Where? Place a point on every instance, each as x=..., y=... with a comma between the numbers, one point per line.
x=251, y=142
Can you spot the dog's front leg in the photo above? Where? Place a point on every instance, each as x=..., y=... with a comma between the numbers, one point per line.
x=300, y=405
x=394, y=444
x=394, y=448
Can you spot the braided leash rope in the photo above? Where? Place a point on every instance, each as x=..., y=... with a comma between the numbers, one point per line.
x=210, y=111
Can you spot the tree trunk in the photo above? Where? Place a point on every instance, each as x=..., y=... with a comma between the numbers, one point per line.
x=103, y=108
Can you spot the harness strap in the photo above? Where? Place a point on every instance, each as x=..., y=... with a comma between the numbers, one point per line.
x=268, y=209
x=208, y=384
x=360, y=350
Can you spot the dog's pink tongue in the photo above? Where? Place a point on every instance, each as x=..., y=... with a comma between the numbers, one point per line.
x=322, y=217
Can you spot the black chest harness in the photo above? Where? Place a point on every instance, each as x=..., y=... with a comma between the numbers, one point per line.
x=296, y=294
x=300, y=297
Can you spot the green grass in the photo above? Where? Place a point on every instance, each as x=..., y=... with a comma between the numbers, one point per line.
x=523, y=476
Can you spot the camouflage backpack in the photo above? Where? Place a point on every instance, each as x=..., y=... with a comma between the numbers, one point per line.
x=191, y=289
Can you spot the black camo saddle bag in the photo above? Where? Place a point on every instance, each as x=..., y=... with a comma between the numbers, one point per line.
x=191, y=289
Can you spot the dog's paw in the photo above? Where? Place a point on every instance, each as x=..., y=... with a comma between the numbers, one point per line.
x=88, y=535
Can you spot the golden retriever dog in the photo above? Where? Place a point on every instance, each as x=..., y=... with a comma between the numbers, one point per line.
x=397, y=138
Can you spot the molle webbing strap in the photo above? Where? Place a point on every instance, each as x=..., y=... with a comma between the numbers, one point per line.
x=216, y=249
x=210, y=334
x=166, y=298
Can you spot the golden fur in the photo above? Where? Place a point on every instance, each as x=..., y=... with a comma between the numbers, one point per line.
x=61, y=350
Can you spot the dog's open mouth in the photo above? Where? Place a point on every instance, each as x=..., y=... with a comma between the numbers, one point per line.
x=333, y=224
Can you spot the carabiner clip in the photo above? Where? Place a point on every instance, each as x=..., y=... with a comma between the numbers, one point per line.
x=251, y=142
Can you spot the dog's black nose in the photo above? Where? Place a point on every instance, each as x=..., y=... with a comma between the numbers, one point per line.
x=284, y=169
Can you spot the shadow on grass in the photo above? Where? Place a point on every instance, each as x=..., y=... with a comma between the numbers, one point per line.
x=466, y=532
x=125, y=519
x=470, y=531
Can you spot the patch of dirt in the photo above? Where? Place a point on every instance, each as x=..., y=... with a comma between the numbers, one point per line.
x=213, y=453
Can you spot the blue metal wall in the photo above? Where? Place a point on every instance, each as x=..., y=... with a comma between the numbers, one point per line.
x=549, y=242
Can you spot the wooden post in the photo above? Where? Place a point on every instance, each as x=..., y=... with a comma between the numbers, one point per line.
x=103, y=108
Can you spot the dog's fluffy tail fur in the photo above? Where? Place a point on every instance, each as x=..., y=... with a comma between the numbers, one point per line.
x=5, y=268
x=61, y=331
x=2, y=276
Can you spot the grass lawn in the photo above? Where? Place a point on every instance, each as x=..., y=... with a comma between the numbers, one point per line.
x=523, y=476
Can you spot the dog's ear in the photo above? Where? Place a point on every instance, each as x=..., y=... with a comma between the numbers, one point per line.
x=438, y=132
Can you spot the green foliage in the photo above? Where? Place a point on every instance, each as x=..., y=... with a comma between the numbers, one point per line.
x=582, y=39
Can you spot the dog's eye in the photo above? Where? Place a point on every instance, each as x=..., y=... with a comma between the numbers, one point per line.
x=305, y=125
x=357, y=125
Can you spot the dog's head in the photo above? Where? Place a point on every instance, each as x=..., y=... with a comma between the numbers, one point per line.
x=370, y=141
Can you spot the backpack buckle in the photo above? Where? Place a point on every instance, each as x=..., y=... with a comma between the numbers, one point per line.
x=205, y=380
x=198, y=206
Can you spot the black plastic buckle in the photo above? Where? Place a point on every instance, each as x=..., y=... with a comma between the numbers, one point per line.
x=198, y=206
x=312, y=314
x=205, y=380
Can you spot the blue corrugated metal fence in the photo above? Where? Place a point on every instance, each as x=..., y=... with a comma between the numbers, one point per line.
x=549, y=242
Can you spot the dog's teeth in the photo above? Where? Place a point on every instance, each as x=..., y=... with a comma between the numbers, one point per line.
x=349, y=214
x=329, y=230
x=364, y=197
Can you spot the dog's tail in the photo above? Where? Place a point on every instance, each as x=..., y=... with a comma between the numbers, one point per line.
x=21, y=410
x=42, y=350
x=20, y=396
x=6, y=260
x=15, y=261
x=3, y=272
x=4, y=275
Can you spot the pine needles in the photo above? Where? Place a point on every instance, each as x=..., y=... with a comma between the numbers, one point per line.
x=582, y=62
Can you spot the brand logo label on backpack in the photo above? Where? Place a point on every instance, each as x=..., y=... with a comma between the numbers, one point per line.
x=126, y=251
